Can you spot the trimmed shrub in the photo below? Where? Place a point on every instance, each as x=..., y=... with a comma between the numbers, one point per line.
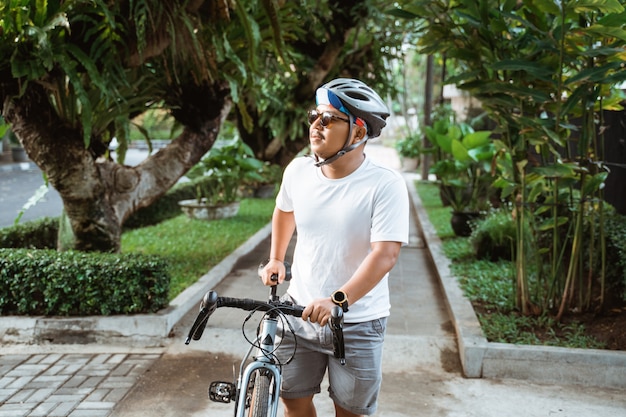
x=36, y=234
x=47, y=282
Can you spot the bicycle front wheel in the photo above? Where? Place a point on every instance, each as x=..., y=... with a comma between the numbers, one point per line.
x=261, y=394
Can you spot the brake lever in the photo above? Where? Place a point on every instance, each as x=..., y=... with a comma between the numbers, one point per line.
x=336, y=327
x=207, y=307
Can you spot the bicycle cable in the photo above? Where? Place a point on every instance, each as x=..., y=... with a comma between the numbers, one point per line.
x=255, y=343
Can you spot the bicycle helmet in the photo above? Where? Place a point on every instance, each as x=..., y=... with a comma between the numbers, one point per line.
x=361, y=101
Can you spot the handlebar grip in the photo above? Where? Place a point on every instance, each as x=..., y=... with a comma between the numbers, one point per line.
x=297, y=310
x=336, y=327
x=287, y=271
x=207, y=307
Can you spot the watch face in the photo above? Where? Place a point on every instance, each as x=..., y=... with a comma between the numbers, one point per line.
x=339, y=296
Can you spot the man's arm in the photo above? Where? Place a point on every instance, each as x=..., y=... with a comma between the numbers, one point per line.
x=283, y=226
x=373, y=268
x=371, y=271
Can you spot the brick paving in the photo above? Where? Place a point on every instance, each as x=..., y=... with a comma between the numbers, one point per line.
x=68, y=384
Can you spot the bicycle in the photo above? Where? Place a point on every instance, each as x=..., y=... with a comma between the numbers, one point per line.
x=257, y=387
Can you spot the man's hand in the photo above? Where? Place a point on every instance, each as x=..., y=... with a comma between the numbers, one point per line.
x=318, y=311
x=273, y=267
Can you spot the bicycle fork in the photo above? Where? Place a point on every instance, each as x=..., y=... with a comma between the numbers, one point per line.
x=263, y=362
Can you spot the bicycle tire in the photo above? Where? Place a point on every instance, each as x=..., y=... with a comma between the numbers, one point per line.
x=260, y=397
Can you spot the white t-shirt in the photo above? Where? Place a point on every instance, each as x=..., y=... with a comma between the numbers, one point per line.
x=336, y=220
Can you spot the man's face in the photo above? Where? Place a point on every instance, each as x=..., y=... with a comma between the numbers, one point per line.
x=330, y=139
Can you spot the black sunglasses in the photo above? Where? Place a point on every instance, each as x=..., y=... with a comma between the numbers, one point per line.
x=325, y=117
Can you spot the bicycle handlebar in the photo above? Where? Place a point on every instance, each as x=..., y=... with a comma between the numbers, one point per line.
x=211, y=301
x=249, y=305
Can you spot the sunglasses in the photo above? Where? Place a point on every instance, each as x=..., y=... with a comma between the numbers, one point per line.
x=325, y=118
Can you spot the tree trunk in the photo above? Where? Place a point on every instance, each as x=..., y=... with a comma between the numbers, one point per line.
x=99, y=194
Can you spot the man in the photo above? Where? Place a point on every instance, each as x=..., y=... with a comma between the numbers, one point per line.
x=351, y=217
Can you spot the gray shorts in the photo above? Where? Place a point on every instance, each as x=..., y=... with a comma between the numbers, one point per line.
x=355, y=385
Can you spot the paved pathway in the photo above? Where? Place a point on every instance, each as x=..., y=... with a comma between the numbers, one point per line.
x=68, y=384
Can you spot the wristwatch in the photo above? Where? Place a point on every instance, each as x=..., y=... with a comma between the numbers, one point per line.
x=341, y=299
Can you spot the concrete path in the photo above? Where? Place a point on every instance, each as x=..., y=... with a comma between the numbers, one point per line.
x=422, y=371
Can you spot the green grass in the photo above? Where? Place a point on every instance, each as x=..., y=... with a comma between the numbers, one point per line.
x=193, y=247
x=490, y=287
x=438, y=215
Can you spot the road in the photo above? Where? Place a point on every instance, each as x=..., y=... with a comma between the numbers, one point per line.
x=17, y=187
x=20, y=182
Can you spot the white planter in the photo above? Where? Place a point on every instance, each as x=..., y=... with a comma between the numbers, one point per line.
x=409, y=164
x=202, y=211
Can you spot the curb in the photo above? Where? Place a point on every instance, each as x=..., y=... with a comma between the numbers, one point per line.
x=483, y=359
x=144, y=330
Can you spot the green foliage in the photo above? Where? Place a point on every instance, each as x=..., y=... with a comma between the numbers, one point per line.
x=228, y=166
x=488, y=283
x=313, y=35
x=544, y=72
x=193, y=247
x=616, y=255
x=409, y=146
x=36, y=234
x=104, y=63
x=456, y=248
x=490, y=286
x=46, y=282
x=494, y=236
x=505, y=328
x=464, y=163
x=36, y=40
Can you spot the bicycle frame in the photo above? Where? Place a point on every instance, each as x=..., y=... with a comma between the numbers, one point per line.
x=262, y=360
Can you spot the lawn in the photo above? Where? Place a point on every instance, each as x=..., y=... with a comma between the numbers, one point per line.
x=193, y=247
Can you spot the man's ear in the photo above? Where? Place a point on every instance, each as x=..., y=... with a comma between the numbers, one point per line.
x=360, y=133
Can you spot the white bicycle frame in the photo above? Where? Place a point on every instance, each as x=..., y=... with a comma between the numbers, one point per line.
x=262, y=360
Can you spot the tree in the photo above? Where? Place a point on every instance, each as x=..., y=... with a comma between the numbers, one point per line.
x=74, y=75
x=545, y=72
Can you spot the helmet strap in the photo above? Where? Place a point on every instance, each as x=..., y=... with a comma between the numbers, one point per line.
x=346, y=147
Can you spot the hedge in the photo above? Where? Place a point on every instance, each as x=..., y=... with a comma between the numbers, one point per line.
x=38, y=280
x=36, y=234
x=47, y=282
